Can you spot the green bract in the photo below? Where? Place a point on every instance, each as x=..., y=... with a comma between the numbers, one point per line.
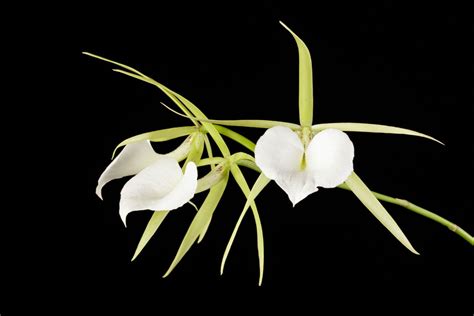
x=308, y=162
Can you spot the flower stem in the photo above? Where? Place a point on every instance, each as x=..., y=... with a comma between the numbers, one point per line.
x=421, y=211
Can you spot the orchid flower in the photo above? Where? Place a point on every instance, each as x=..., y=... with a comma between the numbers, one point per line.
x=299, y=168
x=158, y=182
x=300, y=158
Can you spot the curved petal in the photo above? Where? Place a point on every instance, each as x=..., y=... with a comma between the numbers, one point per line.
x=278, y=150
x=297, y=185
x=279, y=154
x=329, y=157
x=161, y=186
x=131, y=160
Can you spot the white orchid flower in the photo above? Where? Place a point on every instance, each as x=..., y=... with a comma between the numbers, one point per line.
x=158, y=183
x=300, y=169
x=300, y=158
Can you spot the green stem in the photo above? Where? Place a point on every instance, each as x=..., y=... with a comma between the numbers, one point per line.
x=421, y=211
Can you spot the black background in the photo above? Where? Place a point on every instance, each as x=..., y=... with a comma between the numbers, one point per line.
x=384, y=62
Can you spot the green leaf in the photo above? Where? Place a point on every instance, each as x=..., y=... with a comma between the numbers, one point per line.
x=155, y=221
x=305, y=81
x=259, y=185
x=158, y=136
x=367, y=198
x=371, y=128
x=200, y=222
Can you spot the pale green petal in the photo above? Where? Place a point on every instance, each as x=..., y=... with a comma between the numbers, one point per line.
x=196, y=150
x=159, y=135
x=209, y=127
x=305, y=81
x=155, y=221
x=132, y=72
x=364, y=194
x=244, y=141
x=249, y=164
x=200, y=222
x=252, y=123
x=214, y=176
x=210, y=161
x=239, y=123
x=204, y=230
x=262, y=182
x=255, y=123
x=371, y=128
x=208, y=149
x=182, y=151
x=115, y=63
x=198, y=115
x=242, y=156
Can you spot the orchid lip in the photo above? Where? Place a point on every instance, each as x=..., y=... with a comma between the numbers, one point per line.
x=299, y=170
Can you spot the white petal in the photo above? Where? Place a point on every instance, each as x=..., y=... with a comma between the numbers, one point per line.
x=278, y=150
x=161, y=186
x=297, y=185
x=131, y=160
x=329, y=157
x=279, y=154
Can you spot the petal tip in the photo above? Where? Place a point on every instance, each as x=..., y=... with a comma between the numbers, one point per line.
x=295, y=200
x=413, y=250
x=98, y=192
x=123, y=216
